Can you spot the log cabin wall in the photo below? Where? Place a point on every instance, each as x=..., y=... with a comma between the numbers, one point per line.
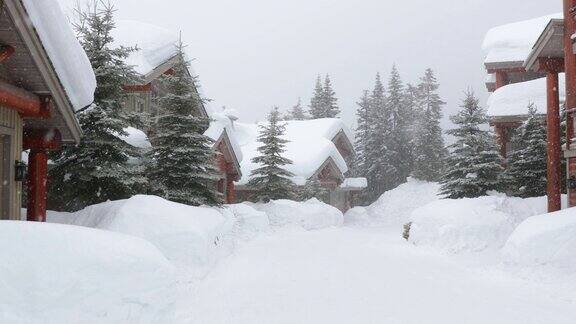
x=11, y=132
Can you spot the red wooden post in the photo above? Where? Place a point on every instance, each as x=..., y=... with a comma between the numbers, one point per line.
x=37, y=185
x=554, y=146
x=501, y=79
x=569, y=66
x=231, y=191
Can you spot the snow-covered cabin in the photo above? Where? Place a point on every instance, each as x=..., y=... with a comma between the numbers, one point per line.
x=46, y=77
x=156, y=55
x=507, y=48
x=320, y=149
x=545, y=47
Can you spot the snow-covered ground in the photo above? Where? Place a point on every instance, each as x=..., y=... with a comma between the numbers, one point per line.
x=288, y=262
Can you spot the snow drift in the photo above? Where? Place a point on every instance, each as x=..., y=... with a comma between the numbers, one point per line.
x=395, y=206
x=310, y=215
x=186, y=235
x=544, y=240
x=54, y=273
x=471, y=225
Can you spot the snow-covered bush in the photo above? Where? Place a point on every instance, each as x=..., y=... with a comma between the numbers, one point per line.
x=249, y=221
x=185, y=234
x=471, y=224
x=395, y=206
x=310, y=215
x=544, y=240
x=54, y=273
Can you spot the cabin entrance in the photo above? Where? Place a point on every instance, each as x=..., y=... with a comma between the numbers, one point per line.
x=5, y=183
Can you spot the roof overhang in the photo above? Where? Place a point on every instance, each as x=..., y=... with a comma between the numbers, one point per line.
x=332, y=166
x=550, y=45
x=512, y=66
x=66, y=117
x=229, y=153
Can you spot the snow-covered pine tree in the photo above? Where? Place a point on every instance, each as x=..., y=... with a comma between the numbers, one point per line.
x=297, y=112
x=316, y=107
x=400, y=140
x=98, y=169
x=526, y=171
x=380, y=172
x=363, y=133
x=271, y=181
x=330, y=101
x=313, y=189
x=182, y=167
x=474, y=165
x=429, y=149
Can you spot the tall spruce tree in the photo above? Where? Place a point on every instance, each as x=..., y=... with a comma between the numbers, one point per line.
x=474, y=166
x=400, y=139
x=380, y=153
x=363, y=133
x=330, y=101
x=271, y=181
x=316, y=107
x=526, y=172
x=297, y=112
x=182, y=167
x=429, y=149
x=98, y=169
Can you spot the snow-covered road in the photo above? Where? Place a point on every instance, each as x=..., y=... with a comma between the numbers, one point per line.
x=359, y=275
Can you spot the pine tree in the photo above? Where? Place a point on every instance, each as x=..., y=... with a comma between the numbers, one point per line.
x=98, y=169
x=316, y=107
x=380, y=171
x=271, y=181
x=474, y=166
x=182, y=165
x=429, y=150
x=363, y=133
x=330, y=101
x=526, y=172
x=400, y=139
x=297, y=112
x=313, y=189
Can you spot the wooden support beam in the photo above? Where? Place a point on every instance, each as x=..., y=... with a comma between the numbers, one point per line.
x=39, y=142
x=569, y=68
x=554, y=150
x=26, y=103
x=501, y=79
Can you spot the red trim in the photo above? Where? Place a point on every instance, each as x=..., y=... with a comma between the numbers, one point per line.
x=6, y=52
x=501, y=79
x=27, y=104
x=42, y=139
x=138, y=88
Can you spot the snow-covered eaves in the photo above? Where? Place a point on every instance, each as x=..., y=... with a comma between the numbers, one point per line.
x=310, y=146
x=222, y=128
x=512, y=43
x=67, y=56
x=354, y=184
x=550, y=45
x=512, y=100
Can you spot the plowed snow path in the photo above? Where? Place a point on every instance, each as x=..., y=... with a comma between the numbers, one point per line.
x=350, y=275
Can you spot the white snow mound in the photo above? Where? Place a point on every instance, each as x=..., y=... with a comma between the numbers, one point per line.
x=471, y=225
x=52, y=273
x=395, y=206
x=186, y=235
x=310, y=215
x=544, y=240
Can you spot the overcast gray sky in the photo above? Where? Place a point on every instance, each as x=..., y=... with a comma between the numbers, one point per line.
x=253, y=54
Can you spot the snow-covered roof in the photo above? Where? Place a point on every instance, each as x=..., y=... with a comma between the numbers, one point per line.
x=65, y=52
x=156, y=45
x=513, y=99
x=310, y=146
x=354, y=183
x=220, y=123
x=513, y=42
x=136, y=138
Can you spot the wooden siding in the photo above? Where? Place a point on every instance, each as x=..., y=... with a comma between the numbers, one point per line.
x=11, y=125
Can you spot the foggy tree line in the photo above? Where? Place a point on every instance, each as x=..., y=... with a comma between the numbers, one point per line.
x=398, y=133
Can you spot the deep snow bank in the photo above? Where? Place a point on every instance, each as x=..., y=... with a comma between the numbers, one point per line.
x=544, y=240
x=53, y=273
x=471, y=225
x=395, y=206
x=310, y=215
x=186, y=235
